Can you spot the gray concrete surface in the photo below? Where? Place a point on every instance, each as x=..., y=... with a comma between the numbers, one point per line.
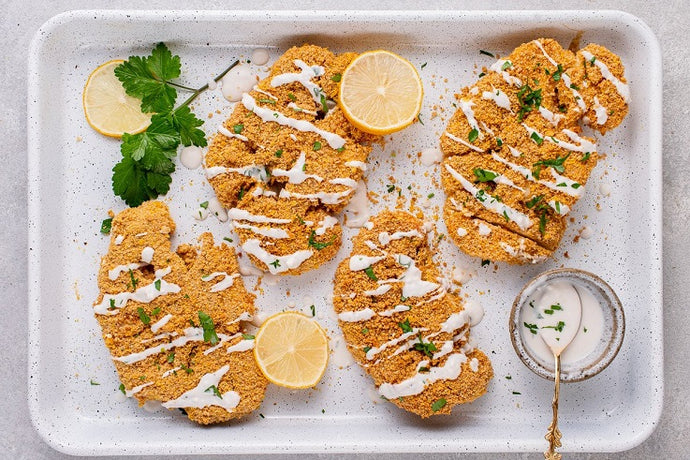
x=670, y=20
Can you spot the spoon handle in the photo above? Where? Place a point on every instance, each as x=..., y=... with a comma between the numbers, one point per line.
x=553, y=435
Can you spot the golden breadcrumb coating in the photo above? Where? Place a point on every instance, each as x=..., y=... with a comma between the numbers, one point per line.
x=515, y=161
x=288, y=172
x=405, y=264
x=173, y=314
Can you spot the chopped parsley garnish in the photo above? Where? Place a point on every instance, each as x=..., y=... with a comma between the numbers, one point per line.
x=486, y=53
x=483, y=175
x=340, y=149
x=423, y=65
x=112, y=304
x=186, y=369
x=336, y=77
x=529, y=100
x=133, y=280
x=562, y=108
x=576, y=185
x=508, y=377
x=516, y=393
x=317, y=146
x=204, y=205
x=248, y=337
x=505, y=216
x=481, y=195
x=324, y=104
x=486, y=262
x=542, y=222
x=473, y=135
x=171, y=358
x=480, y=76
x=591, y=61
x=584, y=329
x=424, y=369
x=532, y=327
x=425, y=347
x=229, y=240
x=390, y=188
x=438, y=405
x=370, y=273
x=499, y=142
x=267, y=101
x=106, y=225
x=215, y=391
x=319, y=245
x=557, y=205
x=506, y=65
x=146, y=319
x=93, y=382
x=365, y=330
x=209, y=328
x=555, y=163
x=557, y=74
x=419, y=119
x=536, y=138
x=279, y=153
x=405, y=326
x=275, y=263
x=366, y=349
x=313, y=310
x=574, y=86
x=237, y=129
x=240, y=194
x=143, y=172
x=558, y=327
x=535, y=199
x=122, y=389
x=431, y=195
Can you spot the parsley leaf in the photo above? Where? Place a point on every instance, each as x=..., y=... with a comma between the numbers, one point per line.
x=484, y=175
x=209, y=328
x=143, y=316
x=215, y=391
x=425, y=347
x=318, y=245
x=106, y=225
x=187, y=125
x=370, y=273
x=555, y=163
x=405, y=326
x=438, y=405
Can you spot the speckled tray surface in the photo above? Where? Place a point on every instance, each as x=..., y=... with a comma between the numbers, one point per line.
x=70, y=193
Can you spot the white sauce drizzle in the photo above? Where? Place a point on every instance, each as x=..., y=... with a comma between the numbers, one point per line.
x=137, y=389
x=119, y=239
x=191, y=156
x=199, y=397
x=145, y=294
x=115, y=272
x=466, y=107
x=553, y=118
x=323, y=197
x=304, y=78
x=241, y=214
x=621, y=87
x=227, y=133
x=346, y=181
x=356, y=164
x=325, y=224
x=385, y=238
x=155, y=327
x=334, y=140
x=237, y=81
x=499, y=97
x=276, y=264
x=466, y=144
x=601, y=112
x=147, y=254
x=257, y=172
x=497, y=67
x=297, y=108
x=223, y=284
x=474, y=365
x=242, y=345
x=483, y=229
x=361, y=262
x=416, y=384
x=378, y=291
x=357, y=210
x=276, y=233
x=520, y=219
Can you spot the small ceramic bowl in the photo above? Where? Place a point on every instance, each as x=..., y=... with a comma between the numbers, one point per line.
x=612, y=334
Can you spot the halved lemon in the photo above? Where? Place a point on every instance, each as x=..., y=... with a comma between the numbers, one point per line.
x=291, y=350
x=381, y=92
x=108, y=109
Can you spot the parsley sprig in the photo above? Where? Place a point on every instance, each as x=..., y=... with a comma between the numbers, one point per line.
x=144, y=171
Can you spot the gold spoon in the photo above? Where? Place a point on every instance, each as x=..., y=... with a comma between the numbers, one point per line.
x=557, y=338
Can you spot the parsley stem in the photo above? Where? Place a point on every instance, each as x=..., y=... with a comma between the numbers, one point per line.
x=196, y=92
x=171, y=83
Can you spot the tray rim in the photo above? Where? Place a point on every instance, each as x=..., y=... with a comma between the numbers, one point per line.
x=34, y=197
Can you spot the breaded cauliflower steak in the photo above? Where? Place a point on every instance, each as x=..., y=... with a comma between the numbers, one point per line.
x=400, y=322
x=287, y=160
x=149, y=311
x=515, y=162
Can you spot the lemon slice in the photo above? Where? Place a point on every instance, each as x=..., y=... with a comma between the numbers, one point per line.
x=291, y=350
x=381, y=92
x=108, y=109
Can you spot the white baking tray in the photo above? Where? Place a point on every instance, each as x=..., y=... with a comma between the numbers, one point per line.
x=69, y=194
